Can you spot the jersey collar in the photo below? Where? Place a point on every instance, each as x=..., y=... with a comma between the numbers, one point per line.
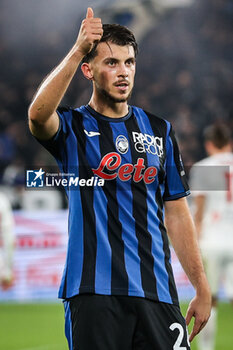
x=108, y=119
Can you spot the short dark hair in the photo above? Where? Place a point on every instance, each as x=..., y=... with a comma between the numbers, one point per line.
x=116, y=34
x=219, y=134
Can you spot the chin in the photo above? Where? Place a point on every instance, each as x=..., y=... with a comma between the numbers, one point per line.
x=120, y=99
x=114, y=99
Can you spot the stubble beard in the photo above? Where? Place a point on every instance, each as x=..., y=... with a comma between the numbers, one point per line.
x=104, y=93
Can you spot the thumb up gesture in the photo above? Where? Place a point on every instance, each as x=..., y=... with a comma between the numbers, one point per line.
x=90, y=32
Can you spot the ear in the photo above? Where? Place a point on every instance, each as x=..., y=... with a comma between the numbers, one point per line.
x=86, y=69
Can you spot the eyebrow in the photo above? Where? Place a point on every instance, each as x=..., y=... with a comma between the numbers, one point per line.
x=117, y=60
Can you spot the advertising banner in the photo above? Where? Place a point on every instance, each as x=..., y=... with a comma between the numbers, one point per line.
x=39, y=258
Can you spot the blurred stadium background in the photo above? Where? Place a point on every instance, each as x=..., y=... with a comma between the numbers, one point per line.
x=184, y=73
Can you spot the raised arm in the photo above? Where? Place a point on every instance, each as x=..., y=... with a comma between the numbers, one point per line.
x=183, y=237
x=43, y=119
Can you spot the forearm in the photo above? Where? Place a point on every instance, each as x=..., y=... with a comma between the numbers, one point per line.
x=183, y=237
x=53, y=88
x=49, y=95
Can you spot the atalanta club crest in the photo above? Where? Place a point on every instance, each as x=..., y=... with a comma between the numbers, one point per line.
x=122, y=144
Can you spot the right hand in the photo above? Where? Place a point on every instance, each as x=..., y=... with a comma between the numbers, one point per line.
x=90, y=32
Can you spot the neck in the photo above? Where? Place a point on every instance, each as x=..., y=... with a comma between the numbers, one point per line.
x=216, y=150
x=109, y=108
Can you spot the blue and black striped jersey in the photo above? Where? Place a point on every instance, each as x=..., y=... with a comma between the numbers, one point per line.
x=118, y=243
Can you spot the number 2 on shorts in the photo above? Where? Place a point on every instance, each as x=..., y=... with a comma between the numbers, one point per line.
x=180, y=337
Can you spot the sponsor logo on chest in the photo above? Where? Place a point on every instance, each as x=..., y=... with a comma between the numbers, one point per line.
x=111, y=167
x=145, y=143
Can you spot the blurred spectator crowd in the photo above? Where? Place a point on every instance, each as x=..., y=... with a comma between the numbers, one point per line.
x=184, y=74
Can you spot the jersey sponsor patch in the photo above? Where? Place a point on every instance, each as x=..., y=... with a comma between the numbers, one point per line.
x=110, y=168
x=145, y=143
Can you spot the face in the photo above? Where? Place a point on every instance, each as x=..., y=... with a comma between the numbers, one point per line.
x=113, y=71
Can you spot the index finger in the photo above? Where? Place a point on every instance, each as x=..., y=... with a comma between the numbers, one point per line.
x=196, y=329
x=189, y=315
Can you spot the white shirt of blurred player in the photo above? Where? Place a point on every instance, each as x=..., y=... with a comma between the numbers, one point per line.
x=6, y=238
x=215, y=172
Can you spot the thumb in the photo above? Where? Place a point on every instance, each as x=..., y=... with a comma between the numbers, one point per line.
x=90, y=13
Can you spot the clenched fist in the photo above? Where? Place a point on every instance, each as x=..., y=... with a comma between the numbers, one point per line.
x=90, y=32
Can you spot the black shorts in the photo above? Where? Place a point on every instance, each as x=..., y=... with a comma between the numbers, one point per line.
x=102, y=322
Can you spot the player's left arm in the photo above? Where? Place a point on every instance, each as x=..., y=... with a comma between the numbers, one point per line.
x=182, y=234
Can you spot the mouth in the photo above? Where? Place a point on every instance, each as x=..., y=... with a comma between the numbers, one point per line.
x=122, y=86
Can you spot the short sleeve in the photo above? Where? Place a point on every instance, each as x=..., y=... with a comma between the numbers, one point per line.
x=56, y=145
x=176, y=185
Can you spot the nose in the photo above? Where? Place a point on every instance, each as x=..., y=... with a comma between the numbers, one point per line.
x=122, y=71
